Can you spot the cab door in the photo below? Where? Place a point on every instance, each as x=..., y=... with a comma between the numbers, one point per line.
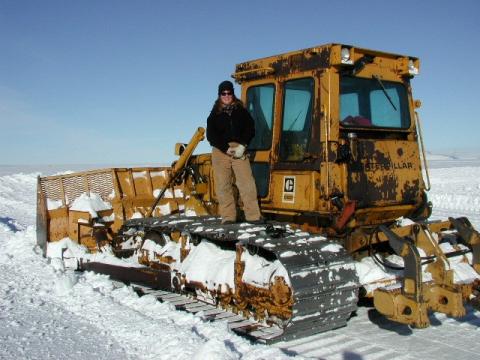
x=295, y=166
x=260, y=103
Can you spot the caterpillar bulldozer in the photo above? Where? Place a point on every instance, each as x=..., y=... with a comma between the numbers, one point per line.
x=342, y=183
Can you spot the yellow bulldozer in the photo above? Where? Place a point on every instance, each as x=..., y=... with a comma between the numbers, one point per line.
x=342, y=181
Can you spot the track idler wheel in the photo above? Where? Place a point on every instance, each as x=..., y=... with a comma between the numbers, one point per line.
x=177, y=282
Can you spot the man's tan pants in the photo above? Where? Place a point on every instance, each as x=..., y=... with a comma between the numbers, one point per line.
x=223, y=165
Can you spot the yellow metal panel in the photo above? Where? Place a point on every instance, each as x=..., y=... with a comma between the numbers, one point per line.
x=143, y=185
x=57, y=224
x=293, y=190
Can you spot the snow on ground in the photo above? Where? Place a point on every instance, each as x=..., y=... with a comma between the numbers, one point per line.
x=456, y=192
x=47, y=312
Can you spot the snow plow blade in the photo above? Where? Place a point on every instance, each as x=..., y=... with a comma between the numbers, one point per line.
x=90, y=207
x=120, y=193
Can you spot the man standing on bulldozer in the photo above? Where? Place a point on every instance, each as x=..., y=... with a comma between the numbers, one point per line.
x=230, y=128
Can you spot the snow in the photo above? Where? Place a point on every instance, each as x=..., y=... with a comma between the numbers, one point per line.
x=404, y=222
x=70, y=251
x=178, y=193
x=332, y=248
x=260, y=272
x=47, y=311
x=136, y=215
x=165, y=209
x=373, y=276
x=462, y=272
x=90, y=203
x=246, y=236
x=190, y=212
x=140, y=175
x=54, y=204
x=284, y=254
x=171, y=248
x=109, y=218
x=168, y=193
x=456, y=190
x=162, y=173
x=211, y=265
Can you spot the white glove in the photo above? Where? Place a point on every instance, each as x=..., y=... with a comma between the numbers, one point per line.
x=236, y=151
x=239, y=151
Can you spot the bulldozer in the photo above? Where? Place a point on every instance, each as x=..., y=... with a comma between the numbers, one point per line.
x=342, y=181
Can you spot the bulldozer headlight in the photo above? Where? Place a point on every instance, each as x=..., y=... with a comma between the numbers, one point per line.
x=412, y=70
x=345, y=56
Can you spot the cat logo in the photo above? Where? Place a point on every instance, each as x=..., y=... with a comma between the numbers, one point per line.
x=288, y=189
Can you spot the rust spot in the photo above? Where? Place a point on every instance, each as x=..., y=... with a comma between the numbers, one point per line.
x=411, y=191
x=314, y=142
x=246, y=66
x=370, y=177
x=303, y=61
x=400, y=151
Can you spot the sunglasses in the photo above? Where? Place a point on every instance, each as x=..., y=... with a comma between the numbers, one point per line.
x=226, y=93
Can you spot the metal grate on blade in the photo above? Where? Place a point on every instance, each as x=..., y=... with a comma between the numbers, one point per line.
x=75, y=185
x=102, y=184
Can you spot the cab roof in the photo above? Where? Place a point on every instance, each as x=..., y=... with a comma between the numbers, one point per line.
x=313, y=58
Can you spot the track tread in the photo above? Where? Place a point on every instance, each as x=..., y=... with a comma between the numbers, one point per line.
x=322, y=274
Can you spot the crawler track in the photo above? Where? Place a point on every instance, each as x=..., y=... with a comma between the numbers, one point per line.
x=236, y=323
x=321, y=274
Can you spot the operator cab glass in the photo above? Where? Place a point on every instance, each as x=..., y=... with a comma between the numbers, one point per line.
x=260, y=105
x=297, y=119
x=373, y=103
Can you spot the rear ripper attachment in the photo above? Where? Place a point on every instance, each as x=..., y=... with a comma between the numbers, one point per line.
x=289, y=279
x=419, y=245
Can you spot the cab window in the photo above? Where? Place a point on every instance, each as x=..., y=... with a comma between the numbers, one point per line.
x=260, y=104
x=297, y=119
x=373, y=103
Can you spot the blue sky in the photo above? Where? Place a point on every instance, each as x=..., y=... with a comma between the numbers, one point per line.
x=120, y=82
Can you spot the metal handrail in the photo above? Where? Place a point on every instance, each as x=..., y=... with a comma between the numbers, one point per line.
x=424, y=158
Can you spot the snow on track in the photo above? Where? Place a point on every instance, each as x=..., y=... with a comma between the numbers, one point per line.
x=47, y=312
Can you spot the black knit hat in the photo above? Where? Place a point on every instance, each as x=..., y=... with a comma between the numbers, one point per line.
x=225, y=86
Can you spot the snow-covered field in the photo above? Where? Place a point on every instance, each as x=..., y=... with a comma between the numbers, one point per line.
x=48, y=312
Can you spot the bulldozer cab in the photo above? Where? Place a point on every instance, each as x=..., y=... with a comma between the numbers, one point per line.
x=335, y=128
